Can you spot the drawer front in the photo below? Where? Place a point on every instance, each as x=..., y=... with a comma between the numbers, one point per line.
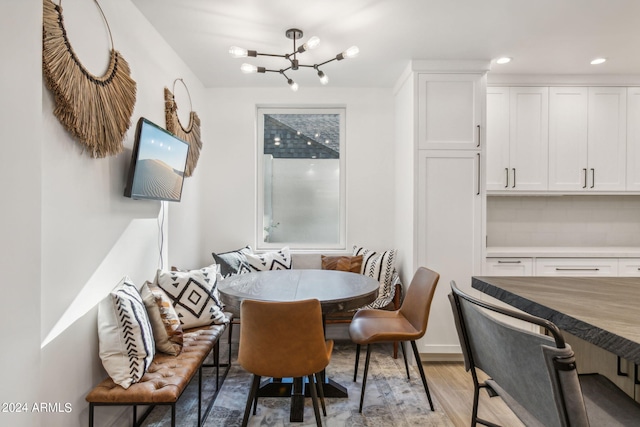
x=508, y=267
x=576, y=267
x=629, y=267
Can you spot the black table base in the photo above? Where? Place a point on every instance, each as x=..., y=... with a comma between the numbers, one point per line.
x=297, y=390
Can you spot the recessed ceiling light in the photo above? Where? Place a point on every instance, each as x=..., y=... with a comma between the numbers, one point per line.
x=598, y=61
x=503, y=60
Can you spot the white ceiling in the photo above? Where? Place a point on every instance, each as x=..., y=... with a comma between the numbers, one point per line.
x=542, y=36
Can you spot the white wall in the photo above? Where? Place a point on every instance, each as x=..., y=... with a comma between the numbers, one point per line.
x=68, y=234
x=21, y=139
x=563, y=221
x=228, y=196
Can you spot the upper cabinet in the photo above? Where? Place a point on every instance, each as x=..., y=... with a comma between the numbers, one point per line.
x=517, y=138
x=450, y=111
x=587, y=138
x=633, y=139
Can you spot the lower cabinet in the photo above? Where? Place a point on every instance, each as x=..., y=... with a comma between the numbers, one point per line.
x=576, y=267
x=508, y=267
x=629, y=267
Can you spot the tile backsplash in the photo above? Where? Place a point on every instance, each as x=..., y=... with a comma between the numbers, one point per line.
x=563, y=221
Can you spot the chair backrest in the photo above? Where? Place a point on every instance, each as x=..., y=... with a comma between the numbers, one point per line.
x=417, y=302
x=282, y=339
x=535, y=374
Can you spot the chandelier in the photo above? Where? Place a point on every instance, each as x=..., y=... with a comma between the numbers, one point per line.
x=293, y=34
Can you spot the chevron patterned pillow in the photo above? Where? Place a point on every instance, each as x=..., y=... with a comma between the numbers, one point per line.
x=379, y=266
x=126, y=338
x=233, y=262
x=275, y=260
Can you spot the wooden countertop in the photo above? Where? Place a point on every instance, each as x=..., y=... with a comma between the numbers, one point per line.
x=604, y=311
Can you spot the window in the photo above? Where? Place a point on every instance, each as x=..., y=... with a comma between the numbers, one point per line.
x=301, y=184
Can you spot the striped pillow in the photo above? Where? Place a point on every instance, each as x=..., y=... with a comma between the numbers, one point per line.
x=379, y=266
x=126, y=338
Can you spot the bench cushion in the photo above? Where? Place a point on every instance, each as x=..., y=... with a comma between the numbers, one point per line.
x=167, y=376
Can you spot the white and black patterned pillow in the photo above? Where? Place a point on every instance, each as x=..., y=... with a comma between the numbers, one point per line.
x=194, y=294
x=233, y=262
x=274, y=260
x=126, y=343
x=379, y=266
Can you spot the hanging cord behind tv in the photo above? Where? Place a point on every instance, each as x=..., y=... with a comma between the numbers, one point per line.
x=161, y=234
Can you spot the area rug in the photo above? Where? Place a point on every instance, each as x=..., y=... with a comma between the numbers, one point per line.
x=390, y=399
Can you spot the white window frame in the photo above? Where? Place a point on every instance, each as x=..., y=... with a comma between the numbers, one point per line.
x=260, y=244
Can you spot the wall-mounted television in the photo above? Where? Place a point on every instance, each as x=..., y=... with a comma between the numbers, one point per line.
x=157, y=164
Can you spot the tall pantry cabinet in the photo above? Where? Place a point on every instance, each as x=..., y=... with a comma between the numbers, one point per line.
x=449, y=133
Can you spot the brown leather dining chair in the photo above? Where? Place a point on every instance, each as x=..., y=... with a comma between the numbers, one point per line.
x=408, y=323
x=283, y=340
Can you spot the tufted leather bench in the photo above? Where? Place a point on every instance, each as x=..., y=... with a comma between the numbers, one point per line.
x=167, y=376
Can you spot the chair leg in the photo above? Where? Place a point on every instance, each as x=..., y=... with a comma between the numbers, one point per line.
x=250, y=398
x=320, y=385
x=355, y=370
x=364, y=376
x=314, y=400
x=421, y=369
x=404, y=356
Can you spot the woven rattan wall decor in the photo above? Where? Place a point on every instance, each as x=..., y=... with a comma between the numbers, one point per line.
x=191, y=133
x=95, y=110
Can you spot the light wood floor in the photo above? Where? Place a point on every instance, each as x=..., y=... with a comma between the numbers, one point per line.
x=453, y=388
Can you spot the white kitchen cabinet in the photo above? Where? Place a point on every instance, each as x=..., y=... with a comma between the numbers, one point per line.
x=450, y=110
x=629, y=267
x=576, y=267
x=633, y=139
x=508, y=267
x=587, y=139
x=517, y=138
x=449, y=229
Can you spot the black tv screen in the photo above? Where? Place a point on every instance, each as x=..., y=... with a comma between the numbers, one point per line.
x=157, y=164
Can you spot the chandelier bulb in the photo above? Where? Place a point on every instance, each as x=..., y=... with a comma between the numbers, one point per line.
x=313, y=42
x=293, y=85
x=352, y=52
x=238, y=52
x=323, y=77
x=248, y=68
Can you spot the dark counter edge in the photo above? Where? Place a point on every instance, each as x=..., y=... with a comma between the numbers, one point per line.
x=611, y=342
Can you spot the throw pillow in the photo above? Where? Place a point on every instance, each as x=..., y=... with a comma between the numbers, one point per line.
x=194, y=295
x=233, y=262
x=167, y=332
x=275, y=260
x=125, y=335
x=342, y=263
x=379, y=266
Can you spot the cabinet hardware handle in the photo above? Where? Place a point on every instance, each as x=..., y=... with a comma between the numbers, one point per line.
x=514, y=178
x=577, y=269
x=585, y=177
x=506, y=172
x=478, y=137
x=593, y=177
x=479, y=177
x=620, y=373
x=509, y=262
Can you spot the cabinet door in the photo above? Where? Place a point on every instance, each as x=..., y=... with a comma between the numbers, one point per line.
x=607, y=138
x=529, y=138
x=450, y=110
x=449, y=234
x=568, y=170
x=629, y=267
x=508, y=267
x=576, y=267
x=497, y=146
x=633, y=139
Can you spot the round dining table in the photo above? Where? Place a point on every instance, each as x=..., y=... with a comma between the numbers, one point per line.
x=336, y=291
